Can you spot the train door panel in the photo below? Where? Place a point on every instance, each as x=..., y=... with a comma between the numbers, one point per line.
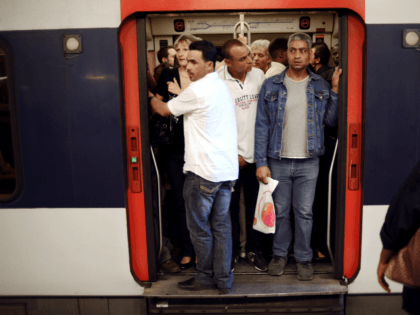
x=331, y=28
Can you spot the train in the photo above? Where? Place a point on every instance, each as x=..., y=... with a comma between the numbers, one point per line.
x=76, y=200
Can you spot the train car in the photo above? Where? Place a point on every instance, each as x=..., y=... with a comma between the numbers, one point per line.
x=78, y=209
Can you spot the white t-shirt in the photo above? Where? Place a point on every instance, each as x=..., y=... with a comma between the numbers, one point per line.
x=295, y=126
x=245, y=97
x=211, y=139
x=275, y=69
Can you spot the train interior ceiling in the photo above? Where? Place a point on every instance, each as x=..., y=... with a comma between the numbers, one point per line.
x=164, y=29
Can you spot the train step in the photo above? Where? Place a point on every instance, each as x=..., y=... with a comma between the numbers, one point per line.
x=306, y=305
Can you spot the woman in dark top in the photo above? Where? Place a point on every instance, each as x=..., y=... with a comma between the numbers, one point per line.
x=171, y=83
x=401, y=222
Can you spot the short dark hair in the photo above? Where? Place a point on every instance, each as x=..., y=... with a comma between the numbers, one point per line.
x=163, y=52
x=322, y=52
x=208, y=50
x=277, y=45
x=300, y=36
x=229, y=45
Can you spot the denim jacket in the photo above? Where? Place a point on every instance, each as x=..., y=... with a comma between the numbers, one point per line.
x=322, y=109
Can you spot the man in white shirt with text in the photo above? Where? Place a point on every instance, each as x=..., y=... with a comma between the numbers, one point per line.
x=244, y=83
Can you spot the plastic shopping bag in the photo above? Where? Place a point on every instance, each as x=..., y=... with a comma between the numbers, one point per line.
x=265, y=214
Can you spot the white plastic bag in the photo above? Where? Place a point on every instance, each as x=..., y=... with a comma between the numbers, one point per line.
x=265, y=214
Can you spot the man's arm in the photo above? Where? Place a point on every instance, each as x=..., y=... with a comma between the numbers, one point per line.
x=331, y=109
x=262, y=125
x=336, y=79
x=159, y=107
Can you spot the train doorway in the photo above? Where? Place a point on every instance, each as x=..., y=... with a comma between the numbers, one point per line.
x=154, y=30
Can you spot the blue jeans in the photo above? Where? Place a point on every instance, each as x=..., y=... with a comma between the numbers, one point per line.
x=297, y=182
x=208, y=220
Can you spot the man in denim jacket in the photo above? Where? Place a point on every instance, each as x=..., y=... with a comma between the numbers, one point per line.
x=293, y=108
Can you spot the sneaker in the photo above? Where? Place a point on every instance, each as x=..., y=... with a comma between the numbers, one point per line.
x=233, y=263
x=276, y=266
x=258, y=260
x=305, y=271
x=169, y=266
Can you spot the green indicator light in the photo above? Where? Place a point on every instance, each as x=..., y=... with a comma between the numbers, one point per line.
x=133, y=160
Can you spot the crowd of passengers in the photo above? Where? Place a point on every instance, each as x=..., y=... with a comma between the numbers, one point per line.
x=285, y=103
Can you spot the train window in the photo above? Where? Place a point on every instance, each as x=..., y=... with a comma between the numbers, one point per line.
x=9, y=166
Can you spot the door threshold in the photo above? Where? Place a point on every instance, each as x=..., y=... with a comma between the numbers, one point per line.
x=250, y=286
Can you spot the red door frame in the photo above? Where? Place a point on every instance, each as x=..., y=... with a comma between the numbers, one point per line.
x=136, y=208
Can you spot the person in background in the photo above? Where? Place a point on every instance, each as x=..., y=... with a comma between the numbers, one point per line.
x=262, y=59
x=278, y=50
x=244, y=41
x=319, y=58
x=171, y=83
x=335, y=54
x=244, y=83
x=166, y=57
x=211, y=164
x=401, y=222
x=165, y=261
x=288, y=146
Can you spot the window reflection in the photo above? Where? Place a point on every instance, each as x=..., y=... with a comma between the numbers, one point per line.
x=7, y=162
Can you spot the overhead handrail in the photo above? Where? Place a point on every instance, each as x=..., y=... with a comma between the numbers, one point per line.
x=242, y=24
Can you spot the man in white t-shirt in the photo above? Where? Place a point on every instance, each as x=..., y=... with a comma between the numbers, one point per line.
x=262, y=59
x=244, y=83
x=211, y=164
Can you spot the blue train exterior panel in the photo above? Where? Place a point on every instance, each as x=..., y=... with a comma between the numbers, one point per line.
x=392, y=125
x=69, y=119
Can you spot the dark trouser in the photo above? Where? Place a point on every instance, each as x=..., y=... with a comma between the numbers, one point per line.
x=248, y=180
x=176, y=177
x=411, y=297
x=209, y=223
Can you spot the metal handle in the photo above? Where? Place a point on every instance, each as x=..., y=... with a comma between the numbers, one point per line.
x=329, y=204
x=242, y=23
x=134, y=167
x=159, y=202
x=354, y=157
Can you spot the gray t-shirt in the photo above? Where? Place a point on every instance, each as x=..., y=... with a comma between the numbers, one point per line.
x=295, y=134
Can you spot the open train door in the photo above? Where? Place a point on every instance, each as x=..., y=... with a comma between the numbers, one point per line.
x=144, y=233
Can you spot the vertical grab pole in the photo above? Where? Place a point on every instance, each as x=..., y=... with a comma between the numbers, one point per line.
x=242, y=21
x=159, y=201
x=329, y=204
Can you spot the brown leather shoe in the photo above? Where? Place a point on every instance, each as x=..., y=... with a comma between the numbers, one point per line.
x=169, y=266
